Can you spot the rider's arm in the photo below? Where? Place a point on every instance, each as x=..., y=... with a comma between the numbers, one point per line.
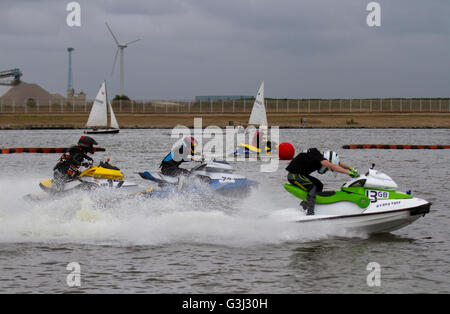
x=198, y=157
x=334, y=167
x=345, y=166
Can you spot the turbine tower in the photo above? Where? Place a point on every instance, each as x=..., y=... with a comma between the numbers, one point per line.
x=70, y=81
x=120, y=47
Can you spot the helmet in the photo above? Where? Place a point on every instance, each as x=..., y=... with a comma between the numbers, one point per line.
x=331, y=157
x=190, y=142
x=87, y=143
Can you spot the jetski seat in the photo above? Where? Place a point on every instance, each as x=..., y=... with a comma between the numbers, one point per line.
x=328, y=197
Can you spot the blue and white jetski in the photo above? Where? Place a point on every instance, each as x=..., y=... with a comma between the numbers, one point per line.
x=216, y=175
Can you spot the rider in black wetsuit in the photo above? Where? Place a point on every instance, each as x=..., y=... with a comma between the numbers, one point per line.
x=69, y=163
x=309, y=161
x=170, y=165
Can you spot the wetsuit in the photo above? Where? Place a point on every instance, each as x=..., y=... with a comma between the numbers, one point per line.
x=67, y=167
x=171, y=167
x=300, y=169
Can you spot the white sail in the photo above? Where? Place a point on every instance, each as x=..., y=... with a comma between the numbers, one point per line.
x=258, y=115
x=99, y=116
x=114, y=123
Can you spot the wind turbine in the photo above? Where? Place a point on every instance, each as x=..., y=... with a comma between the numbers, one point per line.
x=120, y=47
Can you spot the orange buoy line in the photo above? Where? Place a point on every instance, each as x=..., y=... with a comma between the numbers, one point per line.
x=40, y=150
x=384, y=146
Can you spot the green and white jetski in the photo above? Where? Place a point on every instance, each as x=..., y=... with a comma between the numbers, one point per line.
x=369, y=203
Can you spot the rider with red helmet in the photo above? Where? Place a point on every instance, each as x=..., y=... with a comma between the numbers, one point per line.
x=67, y=167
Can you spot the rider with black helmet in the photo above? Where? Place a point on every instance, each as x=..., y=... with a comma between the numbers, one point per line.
x=67, y=167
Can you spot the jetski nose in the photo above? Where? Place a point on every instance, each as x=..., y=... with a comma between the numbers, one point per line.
x=421, y=210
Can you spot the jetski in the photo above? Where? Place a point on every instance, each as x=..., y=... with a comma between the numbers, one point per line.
x=369, y=204
x=218, y=176
x=104, y=176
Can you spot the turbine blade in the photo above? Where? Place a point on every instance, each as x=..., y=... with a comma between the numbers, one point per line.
x=133, y=41
x=115, y=39
x=114, y=62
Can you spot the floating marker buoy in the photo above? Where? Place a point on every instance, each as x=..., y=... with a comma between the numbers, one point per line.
x=40, y=150
x=286, y=151
x=385, y=146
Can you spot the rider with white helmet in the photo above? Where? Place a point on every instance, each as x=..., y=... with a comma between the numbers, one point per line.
x=309, y=161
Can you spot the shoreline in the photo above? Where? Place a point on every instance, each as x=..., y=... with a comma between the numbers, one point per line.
x=433, y=120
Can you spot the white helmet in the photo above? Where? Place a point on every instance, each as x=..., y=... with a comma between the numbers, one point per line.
x=331, y=157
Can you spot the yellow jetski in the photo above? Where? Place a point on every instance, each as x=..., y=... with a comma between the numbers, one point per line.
x=104, y=176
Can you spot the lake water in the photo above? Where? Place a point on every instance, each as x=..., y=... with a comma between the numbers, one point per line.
x=193, y=244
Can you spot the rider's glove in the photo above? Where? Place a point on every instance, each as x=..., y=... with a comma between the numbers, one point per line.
x=85, y=164
x=353, y=174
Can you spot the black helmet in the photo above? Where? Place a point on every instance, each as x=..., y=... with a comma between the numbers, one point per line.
x=87, y=143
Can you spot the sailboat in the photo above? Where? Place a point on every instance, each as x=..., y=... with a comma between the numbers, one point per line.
x=98, y=118
x=258, y=116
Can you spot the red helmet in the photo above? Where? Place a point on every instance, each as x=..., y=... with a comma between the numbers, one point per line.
x=87, y=143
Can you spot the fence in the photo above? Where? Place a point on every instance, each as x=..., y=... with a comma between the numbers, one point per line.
x=288, y=106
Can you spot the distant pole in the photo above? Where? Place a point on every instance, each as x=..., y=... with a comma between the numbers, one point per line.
x=121, y=71
x=70, y=80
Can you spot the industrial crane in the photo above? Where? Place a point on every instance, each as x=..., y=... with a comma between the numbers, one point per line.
x=15, y=73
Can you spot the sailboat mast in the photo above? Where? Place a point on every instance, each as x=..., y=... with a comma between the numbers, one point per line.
x=108, y=122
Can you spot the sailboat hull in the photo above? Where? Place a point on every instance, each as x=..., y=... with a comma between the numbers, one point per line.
x=107, y=131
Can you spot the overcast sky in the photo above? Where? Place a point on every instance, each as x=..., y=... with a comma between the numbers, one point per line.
x=300, y=48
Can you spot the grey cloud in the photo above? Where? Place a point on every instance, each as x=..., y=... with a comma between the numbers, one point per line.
x=191, y=47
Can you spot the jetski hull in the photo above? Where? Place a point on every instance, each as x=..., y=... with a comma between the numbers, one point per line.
x=216, y=176
x=370, y=222
x=249, y=150
x=231, y=187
